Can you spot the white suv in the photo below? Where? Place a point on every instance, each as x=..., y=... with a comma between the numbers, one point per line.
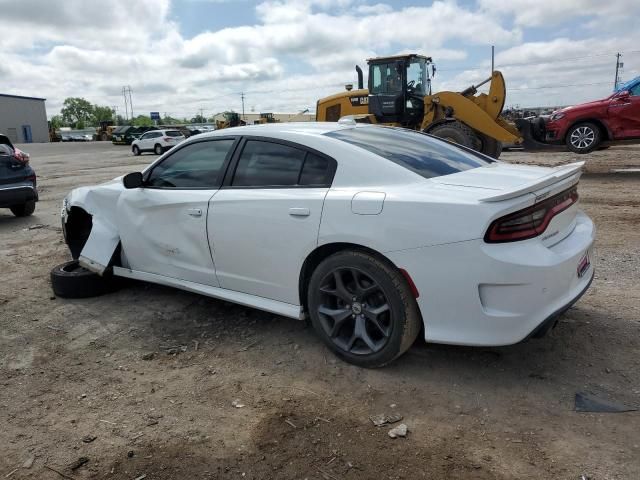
x=157, y=141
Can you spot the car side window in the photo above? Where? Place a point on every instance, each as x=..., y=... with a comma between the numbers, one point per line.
x=144, y=136
x=635, y=91
x=315, y=171
x=268, y=164
x=199, y=165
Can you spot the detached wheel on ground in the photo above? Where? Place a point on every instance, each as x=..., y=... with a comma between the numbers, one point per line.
x=459, y=133
x=362, y=308
x=583, y=137
x=135, y=150
x=70, y=280
x=158, y=149
x=24, y=210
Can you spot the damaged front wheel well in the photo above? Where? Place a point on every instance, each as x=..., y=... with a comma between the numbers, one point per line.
x=77, y=230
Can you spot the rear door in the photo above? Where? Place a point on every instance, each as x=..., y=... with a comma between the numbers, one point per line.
x=265, y=219
x=163, y=225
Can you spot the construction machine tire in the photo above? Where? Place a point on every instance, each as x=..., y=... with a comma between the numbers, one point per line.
x=490, y=146
x=104, y=137
x=457, y=132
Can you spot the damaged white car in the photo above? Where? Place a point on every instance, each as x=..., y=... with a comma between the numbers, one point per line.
x=375, y=234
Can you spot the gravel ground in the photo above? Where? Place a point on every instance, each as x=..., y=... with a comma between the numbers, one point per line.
x=142, y=381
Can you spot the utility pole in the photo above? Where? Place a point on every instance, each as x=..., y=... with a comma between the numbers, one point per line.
x=618, y=65
x=242, y=97
x=493, y=51
x=114, y=109
x=128, y=104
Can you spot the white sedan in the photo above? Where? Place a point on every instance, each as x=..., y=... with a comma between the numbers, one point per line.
x=373, y=233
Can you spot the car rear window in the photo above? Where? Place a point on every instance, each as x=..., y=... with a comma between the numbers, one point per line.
x=418, y=152
x=173, y=133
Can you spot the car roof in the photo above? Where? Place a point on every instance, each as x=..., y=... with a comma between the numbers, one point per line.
x=302, y=128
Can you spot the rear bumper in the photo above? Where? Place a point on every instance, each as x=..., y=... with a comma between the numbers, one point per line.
x=474, y=293
x=11, y=195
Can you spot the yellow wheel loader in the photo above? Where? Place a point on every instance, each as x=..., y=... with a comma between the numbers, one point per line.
x=399, y=94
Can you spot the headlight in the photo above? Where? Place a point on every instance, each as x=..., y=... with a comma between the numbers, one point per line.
x=556, y=116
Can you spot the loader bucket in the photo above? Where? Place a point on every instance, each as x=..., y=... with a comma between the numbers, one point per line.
x=530, y=143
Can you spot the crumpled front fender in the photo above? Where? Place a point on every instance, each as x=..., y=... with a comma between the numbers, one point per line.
x=100, y=202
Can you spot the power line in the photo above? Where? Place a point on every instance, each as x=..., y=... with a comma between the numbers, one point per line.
x=484, y=67
x=559, y=86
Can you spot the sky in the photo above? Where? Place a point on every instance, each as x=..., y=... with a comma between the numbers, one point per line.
x=183, y=56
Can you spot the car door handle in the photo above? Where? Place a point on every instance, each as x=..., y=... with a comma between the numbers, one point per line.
x=195, y=212
x=299, y=212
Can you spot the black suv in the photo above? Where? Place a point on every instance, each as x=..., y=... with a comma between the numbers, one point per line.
x=17, y=180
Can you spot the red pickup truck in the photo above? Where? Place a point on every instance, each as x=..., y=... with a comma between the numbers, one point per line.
x=587, y=126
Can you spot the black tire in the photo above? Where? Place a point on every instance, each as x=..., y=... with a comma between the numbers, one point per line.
x=583, y=137
x=70, y=280
x=158, y=149
x=104, y=137
x=384, y=310
x=491, y=146
x=24, y=210
x=136, y=150
x=459, y=133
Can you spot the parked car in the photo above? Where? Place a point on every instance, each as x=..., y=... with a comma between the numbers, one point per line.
x=588, y=126
x=18, y=190
x=118, y=135
x=374, y=233
x=157, y=141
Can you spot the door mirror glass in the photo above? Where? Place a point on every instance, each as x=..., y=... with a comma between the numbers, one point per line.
x=132, y=180
x=623, y=94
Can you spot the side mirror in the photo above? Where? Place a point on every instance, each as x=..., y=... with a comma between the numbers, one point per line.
x=623, y=94
x=132, y=180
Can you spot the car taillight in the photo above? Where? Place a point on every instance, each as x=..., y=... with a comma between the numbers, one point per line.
x=532, y=221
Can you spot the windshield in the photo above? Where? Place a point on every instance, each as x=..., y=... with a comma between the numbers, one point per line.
x=421, y=153
x=627, y=86
x=417, y=76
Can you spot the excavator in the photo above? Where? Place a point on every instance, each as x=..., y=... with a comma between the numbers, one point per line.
x=399, y=94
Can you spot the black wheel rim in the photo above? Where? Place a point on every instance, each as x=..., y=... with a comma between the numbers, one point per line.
x=354, y=311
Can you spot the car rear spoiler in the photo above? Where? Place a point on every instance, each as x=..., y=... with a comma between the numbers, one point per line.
x=558, y=174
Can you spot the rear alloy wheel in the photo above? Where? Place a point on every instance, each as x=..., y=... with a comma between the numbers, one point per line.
x=583, y=137
x=362, y=308
x=459, y=133
x=158, y=149
x=135, y=150
x=70, y=280
x=24, y=210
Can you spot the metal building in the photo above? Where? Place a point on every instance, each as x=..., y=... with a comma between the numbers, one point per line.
x=23, y=119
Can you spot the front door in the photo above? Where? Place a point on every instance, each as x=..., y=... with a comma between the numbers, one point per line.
x=624, y=114
x=265, y=219
x=163, y=225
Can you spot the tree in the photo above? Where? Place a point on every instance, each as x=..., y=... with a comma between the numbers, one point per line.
x=76, y=110
x=102, y=114
x=169, y=120
x=142, y=121
x=56, y=122
x=199, y=119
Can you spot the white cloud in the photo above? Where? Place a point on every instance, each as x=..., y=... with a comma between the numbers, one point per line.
x=298, y=50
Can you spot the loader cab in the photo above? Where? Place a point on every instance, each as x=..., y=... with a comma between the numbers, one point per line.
x=397, y=87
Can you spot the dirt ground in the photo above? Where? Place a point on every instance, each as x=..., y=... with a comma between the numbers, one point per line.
x=142, y=381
